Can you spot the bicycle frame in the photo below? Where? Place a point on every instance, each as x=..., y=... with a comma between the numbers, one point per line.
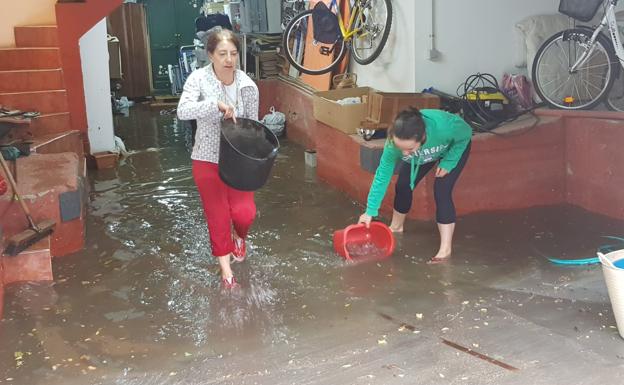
x=345, y=30
x=610, y=22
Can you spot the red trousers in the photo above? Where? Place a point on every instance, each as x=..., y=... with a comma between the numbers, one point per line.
x=223, y=207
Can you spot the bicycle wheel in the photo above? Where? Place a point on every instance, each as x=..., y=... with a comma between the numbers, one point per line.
x=306, y=54
x=615, y=98
x=374, y=24
x=588, y=84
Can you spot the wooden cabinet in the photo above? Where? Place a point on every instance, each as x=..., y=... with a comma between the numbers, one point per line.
x=128, y=24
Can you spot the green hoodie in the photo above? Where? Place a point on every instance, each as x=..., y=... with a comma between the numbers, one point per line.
x=447, y=136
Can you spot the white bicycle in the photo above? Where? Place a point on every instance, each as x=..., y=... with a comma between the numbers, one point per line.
x=581, y=67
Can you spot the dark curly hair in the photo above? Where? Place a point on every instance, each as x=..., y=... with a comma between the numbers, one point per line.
x=408, y=124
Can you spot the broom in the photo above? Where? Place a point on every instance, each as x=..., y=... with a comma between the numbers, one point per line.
x=32, y=235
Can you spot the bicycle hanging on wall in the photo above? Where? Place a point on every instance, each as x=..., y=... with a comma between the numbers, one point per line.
x=316, y=40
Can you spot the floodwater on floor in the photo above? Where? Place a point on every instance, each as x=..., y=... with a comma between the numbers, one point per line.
x=142, y=303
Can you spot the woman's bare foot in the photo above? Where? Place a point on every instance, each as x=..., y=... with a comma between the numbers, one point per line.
x=398, y=220
x=446, y=243
x=441, y=257
x=226, y=269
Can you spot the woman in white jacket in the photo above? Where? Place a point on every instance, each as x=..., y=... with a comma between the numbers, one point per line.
x=212, y=93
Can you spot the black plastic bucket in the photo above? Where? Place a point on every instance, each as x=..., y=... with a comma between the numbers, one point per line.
x=246, y=153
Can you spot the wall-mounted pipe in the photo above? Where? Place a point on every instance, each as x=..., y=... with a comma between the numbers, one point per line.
x=432, y=54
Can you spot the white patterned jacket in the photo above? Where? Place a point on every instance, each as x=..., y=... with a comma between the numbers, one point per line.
x=202, y=91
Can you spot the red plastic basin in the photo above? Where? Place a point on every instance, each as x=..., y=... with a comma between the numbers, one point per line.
x=356, y=242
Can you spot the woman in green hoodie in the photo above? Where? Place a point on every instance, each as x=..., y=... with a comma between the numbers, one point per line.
x=422, y=139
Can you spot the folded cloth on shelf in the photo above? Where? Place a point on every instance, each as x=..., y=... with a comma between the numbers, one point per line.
x=10, y=152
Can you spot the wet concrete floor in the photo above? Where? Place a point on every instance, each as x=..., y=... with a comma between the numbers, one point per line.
x=142, y=303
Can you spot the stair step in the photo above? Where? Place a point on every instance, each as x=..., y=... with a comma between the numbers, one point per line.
x=52, y=186
x=31, y=80
x=67, y=141
x=51, y=123
x=42, y=101
x=29, y=58
x=32, y=264
x=36, y=36
x=45, y=124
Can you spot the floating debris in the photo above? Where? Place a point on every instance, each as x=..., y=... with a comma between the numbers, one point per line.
x=366, y=250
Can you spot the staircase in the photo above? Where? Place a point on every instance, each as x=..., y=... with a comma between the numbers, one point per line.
x=51, y=179
x=31, y=79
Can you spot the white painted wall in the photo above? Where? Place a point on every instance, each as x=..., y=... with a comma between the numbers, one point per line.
x=24, y=12
x=95, y=72
x=472, y=36
x=394, y=68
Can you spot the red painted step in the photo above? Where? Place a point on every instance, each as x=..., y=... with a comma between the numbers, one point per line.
x=44, y=125
x=50, y=124
x=42, y=101
x=43, y=179
x=68, y=141
x=29, y=58
x=31, y=80
x=32, y=264
x=36, y=36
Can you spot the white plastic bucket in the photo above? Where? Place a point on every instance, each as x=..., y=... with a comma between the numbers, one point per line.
x=614, y=277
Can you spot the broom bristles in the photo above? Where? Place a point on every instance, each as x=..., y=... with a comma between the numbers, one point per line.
x=20, y=242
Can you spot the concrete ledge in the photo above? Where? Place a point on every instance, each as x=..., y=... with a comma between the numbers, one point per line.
x=295, y=104
x=562, y=157
x=34, y=264
x=68, y=141
x=42, y=180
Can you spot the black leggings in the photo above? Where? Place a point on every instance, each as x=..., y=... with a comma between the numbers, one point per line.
x=442, y=189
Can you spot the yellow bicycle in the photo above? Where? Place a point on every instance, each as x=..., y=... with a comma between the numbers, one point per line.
x=316, y=40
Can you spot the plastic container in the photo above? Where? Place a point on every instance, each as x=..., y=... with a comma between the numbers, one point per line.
x=310, y=158
x=614, y=277
x=377, y=238
x=246, y=154
x=105, y=160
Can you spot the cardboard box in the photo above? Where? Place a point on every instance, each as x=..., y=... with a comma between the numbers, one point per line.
x=346, y=118
x=383, y=107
